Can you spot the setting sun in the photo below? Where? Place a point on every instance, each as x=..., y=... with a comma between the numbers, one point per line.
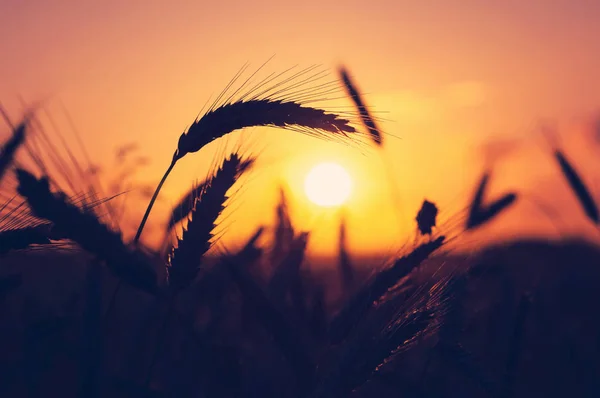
x=328, y=185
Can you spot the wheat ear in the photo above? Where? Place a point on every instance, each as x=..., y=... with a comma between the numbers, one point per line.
x=22, y=238
x=185, y=205
x=356, y=308
x=375, y=345
x=242, y=114
x=84, y=228
x=365, y=115
x=184, y=261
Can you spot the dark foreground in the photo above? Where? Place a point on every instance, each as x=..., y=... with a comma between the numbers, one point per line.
x=522, y=322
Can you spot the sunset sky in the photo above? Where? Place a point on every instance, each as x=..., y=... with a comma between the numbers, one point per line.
x=454, y=80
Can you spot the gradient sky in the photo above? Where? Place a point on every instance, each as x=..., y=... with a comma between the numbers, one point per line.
x=454, y=78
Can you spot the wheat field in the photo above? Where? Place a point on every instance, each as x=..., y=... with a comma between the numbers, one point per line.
x=87, y=312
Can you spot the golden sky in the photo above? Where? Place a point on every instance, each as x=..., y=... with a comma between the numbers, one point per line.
x=453, y=78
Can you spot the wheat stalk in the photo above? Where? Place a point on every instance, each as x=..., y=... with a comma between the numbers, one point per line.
x=184, y=260
x=84, y=228
x=374, y=346
x=347, y=319
x=255, y=112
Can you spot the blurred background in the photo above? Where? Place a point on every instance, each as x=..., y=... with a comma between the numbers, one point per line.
x=460, y=86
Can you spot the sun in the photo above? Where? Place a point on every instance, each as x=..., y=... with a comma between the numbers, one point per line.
x=328, y=185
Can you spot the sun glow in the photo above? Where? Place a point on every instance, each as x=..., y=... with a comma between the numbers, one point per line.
x=328, y=185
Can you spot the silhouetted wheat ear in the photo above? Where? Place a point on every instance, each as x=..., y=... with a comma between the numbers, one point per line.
x=356, y=308
x=578, y=187
x=365, y=115
x=184, y=261
x=426, y=217
x=186, y=204
x=261, y=112
x=241, y=114
x=373, y=346
x=22, y=238
x=9, y=149
x=84, y=228
x=480, y=214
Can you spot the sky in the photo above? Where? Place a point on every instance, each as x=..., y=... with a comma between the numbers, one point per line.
x=454, y=80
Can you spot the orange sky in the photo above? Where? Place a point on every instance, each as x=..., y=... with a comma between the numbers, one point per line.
x=451, y=75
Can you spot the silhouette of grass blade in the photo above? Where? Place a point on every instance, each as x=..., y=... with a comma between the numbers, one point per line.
x=84, y=228
x=184, y=261
x=358, y=306
x=365, y=115
x=7, y=153
x=578, y=186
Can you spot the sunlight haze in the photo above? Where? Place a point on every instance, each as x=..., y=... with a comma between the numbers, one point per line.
x=450, y=80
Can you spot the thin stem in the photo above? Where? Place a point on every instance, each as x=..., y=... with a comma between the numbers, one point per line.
x=160, y=184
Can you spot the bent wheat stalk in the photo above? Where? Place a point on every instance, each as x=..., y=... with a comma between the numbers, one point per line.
x=242, y=114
